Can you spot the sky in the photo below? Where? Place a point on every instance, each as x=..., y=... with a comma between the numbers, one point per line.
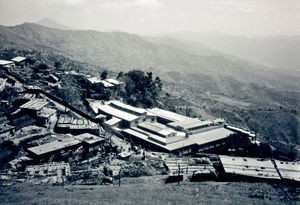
x=234, y=17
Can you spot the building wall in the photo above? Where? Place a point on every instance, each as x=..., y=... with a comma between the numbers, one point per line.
x=62, y=169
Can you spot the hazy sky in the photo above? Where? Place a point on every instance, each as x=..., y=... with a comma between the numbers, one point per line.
x=237, y=17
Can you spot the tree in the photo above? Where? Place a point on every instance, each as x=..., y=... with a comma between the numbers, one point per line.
x=120, y=75
x=140, y=89
x=40, y=66
x=104, y=75
x=9, y=94
x=57, y=64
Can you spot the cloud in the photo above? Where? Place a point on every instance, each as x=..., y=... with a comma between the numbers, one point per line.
x=147, y=3
x=132, y=3
x=141, y=20
x=67, y=2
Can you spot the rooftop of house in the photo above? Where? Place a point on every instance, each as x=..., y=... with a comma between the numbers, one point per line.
x=6, y=128
x=46, y=166
x=104, y=82
x=114, y=81
x=35, y=104
x=2, y=83
x=26, y=96
x=89, y=138
x=171, y=116
x=289, y=170
x=5, y=62
x=94, y=80
x=53, y=146
x=23, y=120
x=18, y=59
x=46, y=112
x=53, y=76
x=74, y=123
x=252, y=167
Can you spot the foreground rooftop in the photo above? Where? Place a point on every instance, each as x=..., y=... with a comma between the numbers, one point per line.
x=251, y=167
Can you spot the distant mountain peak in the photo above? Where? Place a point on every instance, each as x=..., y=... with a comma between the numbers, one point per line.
x=48, y=22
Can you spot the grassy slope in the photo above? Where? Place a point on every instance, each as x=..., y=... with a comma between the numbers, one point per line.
x=149, y=190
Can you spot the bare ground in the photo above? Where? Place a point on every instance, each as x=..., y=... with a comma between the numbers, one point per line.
x=151, y=190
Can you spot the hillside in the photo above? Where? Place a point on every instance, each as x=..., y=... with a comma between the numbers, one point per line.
x=123, y=51
x=47, y=22
x=210, y=80
x=281, y=52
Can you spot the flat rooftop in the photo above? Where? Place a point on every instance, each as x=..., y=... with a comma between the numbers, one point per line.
x=114, y=81
x=5, y=62
x=127, y=107
x=46, y=112
x=18, y=59
x=53, y=146
x=252, y=167
x=35, y=104
x=97, y=80
x=94, y=80
x=5, y=128
x=73, y=123
x=156, y=128
x=106, y=84
x=202, y=138
x=190, y=123
x=89, y=138
x=113, y=121
x=196, y=139
x=116, y=112
x=289, y=170
x=172, y=116
x=241, y=130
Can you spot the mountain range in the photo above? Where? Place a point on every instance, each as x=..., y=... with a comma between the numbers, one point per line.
x=165, y=56
x=255, y=80
x=275, y=51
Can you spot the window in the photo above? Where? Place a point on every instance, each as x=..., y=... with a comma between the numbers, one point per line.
x=63, y=172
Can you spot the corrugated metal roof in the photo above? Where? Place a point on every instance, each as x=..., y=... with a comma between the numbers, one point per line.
x=252, y=167
x=128, y=107
x=196, y=139
x=201, y=138
x=53, y=146
x=289, y=170
x=5, y=62
x=18, y=59
x=113, y=81
x=172, y=116
x=89, y=138
x=113, y=121
x=190, y=123
x=35, y=104
x=116, y=112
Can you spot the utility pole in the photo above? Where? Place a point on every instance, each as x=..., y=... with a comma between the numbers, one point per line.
x=119, y=177
x=178, y=173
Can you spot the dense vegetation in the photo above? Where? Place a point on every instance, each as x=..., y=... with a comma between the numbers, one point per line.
x=141, y=89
